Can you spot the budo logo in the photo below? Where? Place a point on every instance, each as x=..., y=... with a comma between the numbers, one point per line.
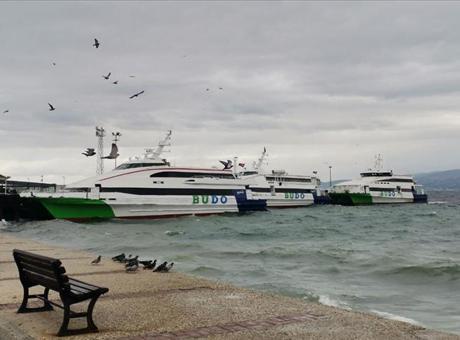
x=204, y=199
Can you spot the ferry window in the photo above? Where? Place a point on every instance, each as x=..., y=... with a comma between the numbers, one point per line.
x=180, y=174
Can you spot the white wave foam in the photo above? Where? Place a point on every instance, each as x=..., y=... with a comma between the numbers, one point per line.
x=396, y=317
x=328, y=301
x=437, y=202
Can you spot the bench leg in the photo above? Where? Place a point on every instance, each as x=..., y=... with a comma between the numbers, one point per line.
x=65, y=322
x=68, y=314
x=46, y=306
x=89, y=314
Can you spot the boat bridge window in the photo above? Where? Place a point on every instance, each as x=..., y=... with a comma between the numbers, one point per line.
x=405, y=180
x=382, y=189
x=288, y=179
x=177, y=174
x=138, y=165
x=245, y=173
x=376, y=174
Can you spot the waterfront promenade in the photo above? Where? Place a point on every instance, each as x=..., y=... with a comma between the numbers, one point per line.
x=146, y=305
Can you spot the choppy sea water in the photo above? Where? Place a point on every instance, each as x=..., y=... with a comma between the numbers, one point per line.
x=399, y=261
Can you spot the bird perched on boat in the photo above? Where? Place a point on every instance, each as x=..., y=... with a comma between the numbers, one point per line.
x=97, y=260
x=119, y=258
x=107, y=76
x=52, y=108
x=89, y=152
x=132, y=268
x=96, y=43
x=115, y=82
x=151, y=265
x=113, y=152
x=136, y=94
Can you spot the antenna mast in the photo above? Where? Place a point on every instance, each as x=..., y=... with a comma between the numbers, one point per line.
x=100, y=134
x=378, y=162
x=260, y=161
x=150, y=153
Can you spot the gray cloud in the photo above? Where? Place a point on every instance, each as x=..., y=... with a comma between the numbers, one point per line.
x=316, y=83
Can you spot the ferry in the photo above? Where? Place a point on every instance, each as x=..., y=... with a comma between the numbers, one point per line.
x=146, y=187
x=378, y=186
x=280, y=189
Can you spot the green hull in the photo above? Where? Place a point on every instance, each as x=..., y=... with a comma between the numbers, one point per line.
x=350, y=198
x=76, y=208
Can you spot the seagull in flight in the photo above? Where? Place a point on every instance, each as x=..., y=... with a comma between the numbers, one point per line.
x=6, y=111
x=107, y=76
x=96, y=43
x=52, y=108
x=115, y=82
x=89, y=152
x=136, y=94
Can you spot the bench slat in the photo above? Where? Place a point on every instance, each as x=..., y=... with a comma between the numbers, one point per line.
x=75, y=282
x=49, y=272
x=22, y=254
x=36, y=278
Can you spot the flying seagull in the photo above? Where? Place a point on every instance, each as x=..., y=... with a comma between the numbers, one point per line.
x=96, y=260
x=132, y=76
x=107, y=76
x=136, y=94
x=207, y=89
x=52, y=108
x=227, y=164
x=54, y=64
x=115, y=82
x=6, y=111
x=113, y=152
x=221, y=88
x=89, y=152
x=96, y=43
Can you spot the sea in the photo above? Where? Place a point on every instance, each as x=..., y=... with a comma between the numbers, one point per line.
x=398, y=261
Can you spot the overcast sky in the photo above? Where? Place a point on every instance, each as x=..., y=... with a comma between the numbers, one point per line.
x=318, y=84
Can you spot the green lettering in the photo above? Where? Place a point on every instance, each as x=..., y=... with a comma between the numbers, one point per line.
x=204, y=199
x=196, y=199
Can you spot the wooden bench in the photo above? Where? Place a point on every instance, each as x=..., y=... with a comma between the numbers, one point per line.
x=38, y=270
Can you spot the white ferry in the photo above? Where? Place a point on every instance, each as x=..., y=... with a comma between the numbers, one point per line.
x=280, y=189
x=378, y=186
x=146, y=187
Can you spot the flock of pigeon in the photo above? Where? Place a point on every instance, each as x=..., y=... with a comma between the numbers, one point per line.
x=96, y=45
x=132, y=263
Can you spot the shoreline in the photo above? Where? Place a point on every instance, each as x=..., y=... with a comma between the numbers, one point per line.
x=177, y=305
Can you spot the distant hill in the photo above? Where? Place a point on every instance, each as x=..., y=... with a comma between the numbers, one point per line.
x=449, y=179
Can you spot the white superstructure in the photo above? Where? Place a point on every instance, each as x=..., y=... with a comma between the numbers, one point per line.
x=280, y=189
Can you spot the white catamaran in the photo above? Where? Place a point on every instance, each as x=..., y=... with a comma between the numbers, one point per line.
x=378, y=186
x=148, y=187
x=278, y=188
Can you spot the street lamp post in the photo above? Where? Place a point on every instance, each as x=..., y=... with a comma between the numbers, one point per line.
x=330, y=176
